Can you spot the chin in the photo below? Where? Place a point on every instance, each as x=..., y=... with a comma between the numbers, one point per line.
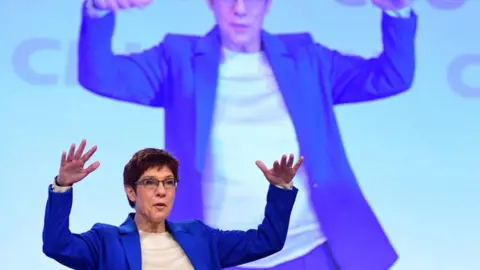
x=159, y=217
x=244, y=43
x=238, y=38
x=241, y=40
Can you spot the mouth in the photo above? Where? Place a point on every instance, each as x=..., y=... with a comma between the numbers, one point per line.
x=160, y=206
x=239, y=27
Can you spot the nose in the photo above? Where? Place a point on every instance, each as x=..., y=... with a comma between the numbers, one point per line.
x=239, y=8
x=160, y=191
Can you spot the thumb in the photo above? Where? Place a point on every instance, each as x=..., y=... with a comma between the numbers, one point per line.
x=262, y=167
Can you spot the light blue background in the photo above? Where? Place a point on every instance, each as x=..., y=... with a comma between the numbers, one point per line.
x=415, y=155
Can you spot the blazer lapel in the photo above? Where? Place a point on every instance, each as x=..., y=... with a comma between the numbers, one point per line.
x=205, y=67
x=130, y=239
x=188, y=244
x=283, y=67
x=207, y=56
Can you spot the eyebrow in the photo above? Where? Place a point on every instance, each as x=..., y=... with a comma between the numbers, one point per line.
x=171, y=177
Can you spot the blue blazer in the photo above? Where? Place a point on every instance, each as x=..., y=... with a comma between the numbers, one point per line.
x=180, y=75
x=107, y=247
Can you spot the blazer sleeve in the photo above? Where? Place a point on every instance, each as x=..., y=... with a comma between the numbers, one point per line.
x=356, y=79
x=239, y=247
x=137, y=78
x=76, y=251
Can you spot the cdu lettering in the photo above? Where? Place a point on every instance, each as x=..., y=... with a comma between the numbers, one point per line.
x=23, y=54
x=456, y=77
x=66, y=51
x=438, y=4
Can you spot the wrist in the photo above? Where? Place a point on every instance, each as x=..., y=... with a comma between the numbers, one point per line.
x=94, y=11
x=58, y=187
x=59, y=183
x=400, y=13
x=286, y=186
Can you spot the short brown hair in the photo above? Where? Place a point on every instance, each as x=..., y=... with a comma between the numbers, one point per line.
x=146, y=159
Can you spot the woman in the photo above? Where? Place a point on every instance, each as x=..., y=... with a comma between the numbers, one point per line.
x=147, y=240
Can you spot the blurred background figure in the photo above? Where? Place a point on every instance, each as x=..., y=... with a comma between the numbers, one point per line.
x=241, y=86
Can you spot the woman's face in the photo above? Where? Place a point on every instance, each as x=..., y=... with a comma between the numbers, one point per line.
x=154, y=194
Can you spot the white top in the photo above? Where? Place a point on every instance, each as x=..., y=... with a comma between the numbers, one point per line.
x=251, y=123
x=161, y=252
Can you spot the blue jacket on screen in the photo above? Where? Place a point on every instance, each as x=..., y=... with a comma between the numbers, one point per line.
x=180, y=74
x=107, y=247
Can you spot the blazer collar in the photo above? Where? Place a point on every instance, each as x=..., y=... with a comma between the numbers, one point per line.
x=129, y=226
x=207, y=53
x=131, y=242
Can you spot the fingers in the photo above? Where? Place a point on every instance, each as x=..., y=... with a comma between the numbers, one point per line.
x=89, y=153
x=291, y=158
x=298, y=164
x=142, y=3
x=63, y=159
x=78, y=154
x=71, y=152
x=276, y=166
x=92, y=167
x=81, y=148
x=111, y=5
x=115, y=5
x=125, y=4
x=283, y=161
x=262, y=167
x=287, y=161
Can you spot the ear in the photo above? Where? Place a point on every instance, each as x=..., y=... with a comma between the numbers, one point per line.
x=130, y=192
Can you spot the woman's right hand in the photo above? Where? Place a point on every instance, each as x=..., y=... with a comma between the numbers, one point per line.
x=114, y=5
x=72, y=165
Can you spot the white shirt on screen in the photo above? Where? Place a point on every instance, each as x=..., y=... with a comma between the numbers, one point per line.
x=251, y=123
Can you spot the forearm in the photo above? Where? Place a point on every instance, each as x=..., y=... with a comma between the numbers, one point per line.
x=59, y=243
x=132, y=78
x=396, y=64
x=272, y=233
x=356, y=79
x=96, y=60
x=56, y=231
x=267, y=239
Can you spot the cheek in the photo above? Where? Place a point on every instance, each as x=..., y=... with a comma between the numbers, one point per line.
x=171, y=198
x=143, y=201
x=221, y=16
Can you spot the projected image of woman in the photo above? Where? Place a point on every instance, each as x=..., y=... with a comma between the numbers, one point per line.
x=239, y=93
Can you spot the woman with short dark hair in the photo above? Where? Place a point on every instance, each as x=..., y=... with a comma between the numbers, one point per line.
x=147, y=240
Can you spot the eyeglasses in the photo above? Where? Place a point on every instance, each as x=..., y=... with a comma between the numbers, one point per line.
x=247, y=3
x=152, y=184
